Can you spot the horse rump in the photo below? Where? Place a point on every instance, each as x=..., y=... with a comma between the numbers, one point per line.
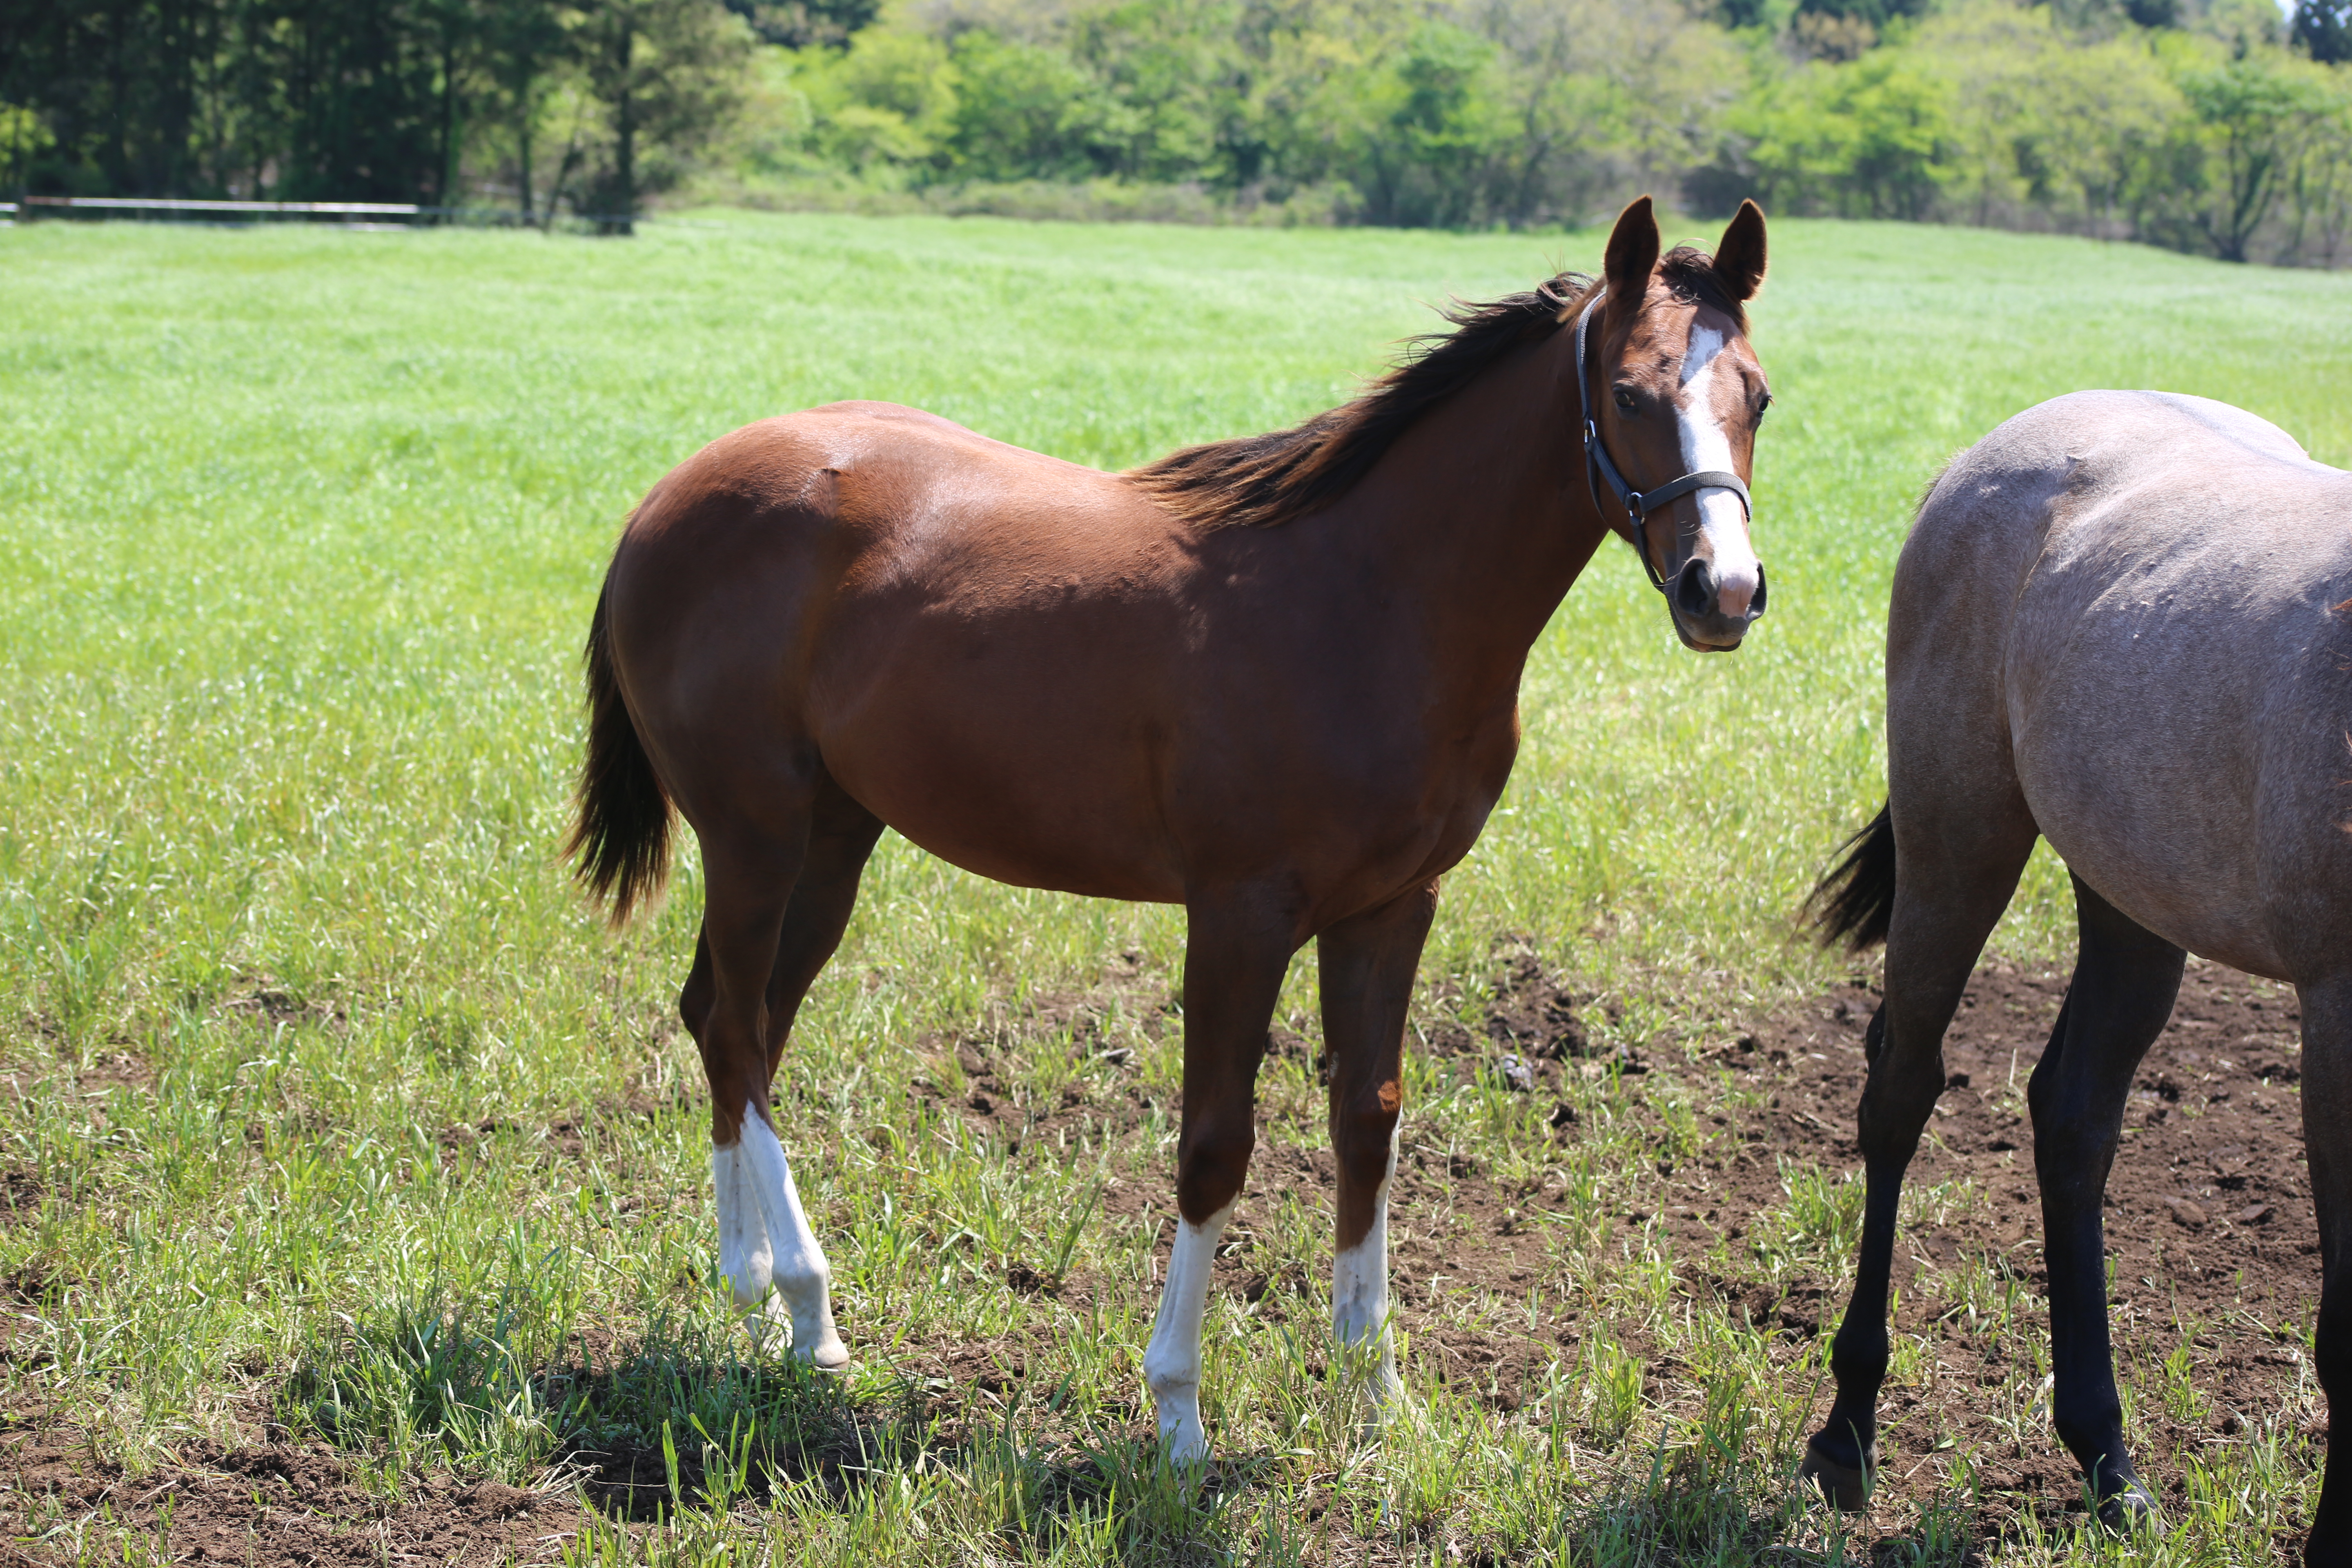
x=621, y=835
x=1853, y=903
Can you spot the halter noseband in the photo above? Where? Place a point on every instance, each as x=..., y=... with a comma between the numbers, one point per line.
x=1638, y=504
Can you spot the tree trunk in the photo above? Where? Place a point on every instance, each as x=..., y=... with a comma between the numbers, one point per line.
x=522, y=144
x=624, y=150
x=448, y=111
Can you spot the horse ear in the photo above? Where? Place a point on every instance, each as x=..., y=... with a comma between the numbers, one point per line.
x=1740, y=259
x=1633, y=252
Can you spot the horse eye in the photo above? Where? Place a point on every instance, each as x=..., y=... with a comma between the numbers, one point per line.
x=1762, y=404
x=1625, y=400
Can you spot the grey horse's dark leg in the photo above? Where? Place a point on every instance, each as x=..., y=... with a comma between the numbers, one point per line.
x=1957, y=864
x=2125, y=980
x=2327, y=1120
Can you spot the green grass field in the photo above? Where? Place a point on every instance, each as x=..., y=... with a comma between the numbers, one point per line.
x=335, y=1118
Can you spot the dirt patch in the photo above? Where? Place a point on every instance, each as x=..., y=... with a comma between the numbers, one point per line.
x=2210, y=1225
x=2209, y=1218
x=270, y=1506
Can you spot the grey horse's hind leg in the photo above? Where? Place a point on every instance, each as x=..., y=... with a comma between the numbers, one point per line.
x=2326, y=1115
x=2125, y=980
x=1957, y=862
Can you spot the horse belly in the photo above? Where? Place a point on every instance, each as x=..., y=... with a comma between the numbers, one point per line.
x=1033, y=766
x=2140, y=743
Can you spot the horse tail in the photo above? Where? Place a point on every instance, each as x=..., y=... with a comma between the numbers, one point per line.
x=1854, y=901
x=621, y=835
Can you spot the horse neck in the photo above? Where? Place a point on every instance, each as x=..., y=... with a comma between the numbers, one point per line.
x=1483, y=507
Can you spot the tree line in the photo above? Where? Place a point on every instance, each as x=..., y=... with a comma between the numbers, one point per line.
x=2216, y=126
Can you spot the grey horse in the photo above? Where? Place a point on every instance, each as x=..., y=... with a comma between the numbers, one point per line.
x=2123, y=622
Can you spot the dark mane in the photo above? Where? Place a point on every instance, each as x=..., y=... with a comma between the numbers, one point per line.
x=1263, y=481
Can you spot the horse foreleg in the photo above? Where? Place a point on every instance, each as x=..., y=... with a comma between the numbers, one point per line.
x=1954, y=877
x=1235, y=953
x=2327, y=1114
x=2125, y=979
x=1366, y=965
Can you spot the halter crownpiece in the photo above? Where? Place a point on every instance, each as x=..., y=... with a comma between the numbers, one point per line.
x=1638, y=504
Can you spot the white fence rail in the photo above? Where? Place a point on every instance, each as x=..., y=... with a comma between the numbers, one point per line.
x=167, y=204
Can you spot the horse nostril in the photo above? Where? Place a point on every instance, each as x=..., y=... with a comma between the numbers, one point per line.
x=1695, y=589
x=1756, y=603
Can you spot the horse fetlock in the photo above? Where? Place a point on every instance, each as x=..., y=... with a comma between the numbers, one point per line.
x=1172, y=1374
x=1858, y=1358
x=1175, y=1384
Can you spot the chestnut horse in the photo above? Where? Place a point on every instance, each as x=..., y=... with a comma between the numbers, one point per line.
x=2123, y=623
x=1274, y=679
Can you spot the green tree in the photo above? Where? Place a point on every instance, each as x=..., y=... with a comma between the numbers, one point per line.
x=524, y=45
x=1871, y=137
x=2252, y=113
x=1022, y=110
x=668, y=73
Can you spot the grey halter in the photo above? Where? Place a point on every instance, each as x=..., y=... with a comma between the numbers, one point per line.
x=1638, y=504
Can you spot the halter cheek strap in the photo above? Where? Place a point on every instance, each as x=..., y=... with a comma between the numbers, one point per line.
x=1638, y=504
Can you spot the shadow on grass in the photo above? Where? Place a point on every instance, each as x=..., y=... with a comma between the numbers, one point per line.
x=677, y=1428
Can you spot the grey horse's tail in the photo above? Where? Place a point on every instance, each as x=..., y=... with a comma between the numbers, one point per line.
x=1853, y=903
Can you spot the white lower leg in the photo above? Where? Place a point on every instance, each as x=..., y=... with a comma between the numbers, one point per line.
x=1172, y=1363
x=801, y=1275
x=1359, y=1295
x=743, y=1254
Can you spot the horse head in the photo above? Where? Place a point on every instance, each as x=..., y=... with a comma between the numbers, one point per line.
x=1672, y=394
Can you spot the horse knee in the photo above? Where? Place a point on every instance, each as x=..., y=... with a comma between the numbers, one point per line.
x=1211, y=1163
x=1363, y=1145
x=2072, y=1149
x=1894, y=1106
x=2331, y=1343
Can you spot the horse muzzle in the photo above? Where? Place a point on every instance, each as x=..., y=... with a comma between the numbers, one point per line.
x=1710, y=615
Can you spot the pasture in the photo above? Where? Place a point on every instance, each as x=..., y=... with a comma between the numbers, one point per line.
x=356, y=1178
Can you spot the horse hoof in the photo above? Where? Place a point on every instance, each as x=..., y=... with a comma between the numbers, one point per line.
x=829, y=1357
x=1843, y=1486
x=1184, y=1444
x=2131, y=1512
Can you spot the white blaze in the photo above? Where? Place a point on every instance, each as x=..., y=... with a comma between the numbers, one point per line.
x=1723, y=521
x=1172, y=1363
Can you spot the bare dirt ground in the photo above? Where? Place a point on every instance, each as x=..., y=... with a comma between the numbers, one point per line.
x=2208, y=1223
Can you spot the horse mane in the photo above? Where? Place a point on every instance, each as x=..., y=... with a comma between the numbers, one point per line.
x=1264, y=481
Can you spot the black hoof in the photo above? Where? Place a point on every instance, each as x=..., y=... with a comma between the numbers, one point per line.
x=2131, y=1512
x=1843, y=1486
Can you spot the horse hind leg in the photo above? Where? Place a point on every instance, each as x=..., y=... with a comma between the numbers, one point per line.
x=841, y=838
x=752, y=875
x=842, y=835
x=1366, y=964
x=2125, y=980
x=1957, y=862
x=2326, y=1113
